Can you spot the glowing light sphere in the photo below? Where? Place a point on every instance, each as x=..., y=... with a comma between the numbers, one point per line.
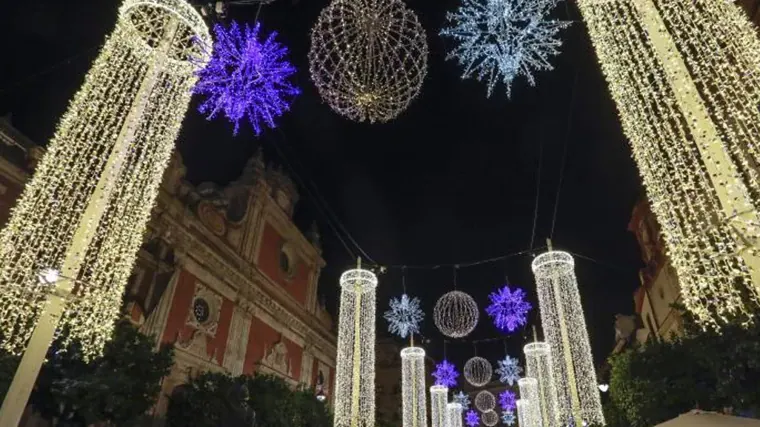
x=439, y=396
x=507, y=400
x=413, y=401
x=684, y=77
x=355, y=364
x=85, y=209
x=463, y=399
x=478, y=371
x=508, y=418
x=509, y=370
x=489, y=418
x=523, y=413
x=368, y=58
x=472, y=419
x=508, y=308
x=565, y=329
x=446, y=374
x=454, y=416
x=456, y=314
x=248, y=76
x=485, y=401
x=404, y=316
x=529, y=392
x=539, y=365
x=499, y=40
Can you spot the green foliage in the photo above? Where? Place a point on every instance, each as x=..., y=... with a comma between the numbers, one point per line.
x=215, y=400
x=702, y=369
x=118, y=387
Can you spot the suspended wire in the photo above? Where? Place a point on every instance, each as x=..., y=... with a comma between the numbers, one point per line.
x=538, y=190
x=462, y=264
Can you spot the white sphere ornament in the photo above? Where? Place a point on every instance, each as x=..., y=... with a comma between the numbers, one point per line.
x=478, y=371
x=485, y=401
x=489, y=418
x=368, y=58
x=456, y=314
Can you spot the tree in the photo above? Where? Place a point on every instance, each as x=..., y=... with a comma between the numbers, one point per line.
x=119, y=387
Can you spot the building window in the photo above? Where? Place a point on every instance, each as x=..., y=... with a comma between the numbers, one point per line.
x=284, y=262
x=201, y=310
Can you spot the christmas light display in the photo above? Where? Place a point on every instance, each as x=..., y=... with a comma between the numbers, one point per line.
x=404, y=316
x=507, y=400
x=565, y=329
x=368, y=58
x=685, y=78
x=489, y=418
x=446, y=374
x=456, y=314
x=439, y=395
x=508, y=418
x=503, y=39
x=508, y=308
x=248, y=76
x=454, y=416
x=463, y=399
x=84, y=211
x=538, y=362
x=414, y=405
x=472, y=419
x=485, y=401
x=509, y=370
x=355, y=364
x=478, y=371
x=529, y=392
x=523, y=413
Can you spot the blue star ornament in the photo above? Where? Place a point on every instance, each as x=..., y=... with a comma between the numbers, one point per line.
x=499, y=40
x=462, y=399
x=508, y=308
x=509, y=370
x=445, y=374
x=508, y=418
x=404, y=316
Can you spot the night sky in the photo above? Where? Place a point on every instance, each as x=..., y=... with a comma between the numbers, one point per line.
x=452, y=180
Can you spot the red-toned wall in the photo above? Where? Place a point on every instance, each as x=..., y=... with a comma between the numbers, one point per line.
x=8, y=200
x=269, y=264
x=263, y=337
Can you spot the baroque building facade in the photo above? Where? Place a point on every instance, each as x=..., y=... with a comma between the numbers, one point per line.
x=223, y=275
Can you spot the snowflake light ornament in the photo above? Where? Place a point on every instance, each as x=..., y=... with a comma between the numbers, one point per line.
x=508, y=418
x=498, y=40
x=509, y=370
x=404, y=316
x=446, y=374
x=462, y=399
x=472, y=419
x=507, y=400
x=508, y=308
x=248, y=76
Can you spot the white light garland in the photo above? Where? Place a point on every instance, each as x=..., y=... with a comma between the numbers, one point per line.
x=685, y=76
x=413, y=400
x=485, y=401
x=538, y=360
x=368, y=58
x=85, y=209
x=523, y=413
x=454, y=416
x=355, y=364
x=439, y=396
x=565, y=330
x=489, y=418
x=529, y=392
x=456, y=314
x=478, y=371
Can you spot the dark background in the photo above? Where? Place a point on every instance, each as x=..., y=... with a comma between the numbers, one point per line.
x=452, y=180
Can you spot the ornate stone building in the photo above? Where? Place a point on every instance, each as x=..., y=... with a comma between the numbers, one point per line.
x=223, y=275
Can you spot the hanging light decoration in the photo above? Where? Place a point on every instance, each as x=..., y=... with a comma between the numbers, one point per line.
x=84, y=211
x=439, y=395
x=489, y=418
x=508, y=418
x=529, y=392
x=523, y=413
x=508, y=308
x=565, y=329
x=485, y=401
x=463, y=399
x=685, y=78
x=248, y=76
x=368, y=58
x=414, y=405
x=454, y=417
x=404, y=316
x=509, y=370
x=446, y=374
x=507, y=400
x=478, y=371
x=472, y=419
x=539, y=366
x=355, y=364
x=456, y=314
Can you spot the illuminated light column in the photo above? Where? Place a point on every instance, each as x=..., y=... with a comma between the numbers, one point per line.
x=565, y=330
x=414, y=407
x=523, y=413
x=355, y=364
x=439, y=395
x=454, y=414
x=685, y=76
x=84, y=212
x=529, y=392
x=538, y=361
